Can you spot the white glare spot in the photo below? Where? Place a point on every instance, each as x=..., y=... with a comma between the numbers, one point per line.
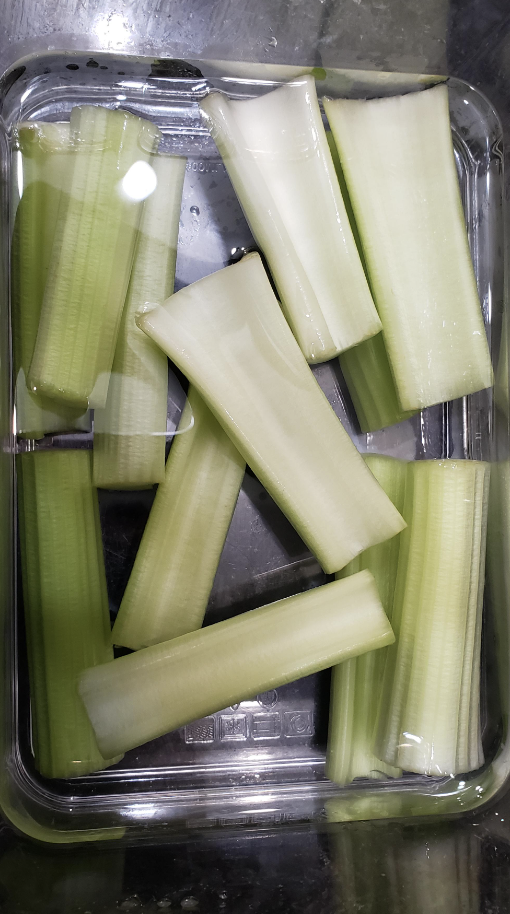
x=139, y=181
x=143, y=810
x=112, y=29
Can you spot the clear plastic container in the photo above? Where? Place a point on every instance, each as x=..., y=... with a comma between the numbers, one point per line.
x=262, y=761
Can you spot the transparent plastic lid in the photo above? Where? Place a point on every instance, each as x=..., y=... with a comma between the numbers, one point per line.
x=230, y=479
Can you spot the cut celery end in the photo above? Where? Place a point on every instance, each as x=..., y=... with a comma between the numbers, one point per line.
x=429, y=708
x=350, y=752
x=66, y=604
x=229, y=336
x=150, y=692
x=397, y=158
x=169, y=586
x=277, y=156
x=355, y=684
x=368, y=376
x=92, y=255
x=43, y=170
x=129, y=433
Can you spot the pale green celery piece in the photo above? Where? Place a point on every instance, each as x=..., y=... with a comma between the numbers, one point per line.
x=129, y=433
x=169, y=586
x=150, y=692
x=92, y=255
x=44, y=166
x=430, y=697
x=229, y=336
x=366, y=367
x=469, y=744
x=356, y=683
x=66, y=604
x=278, y=159
x=397, y=158
x=368, y=376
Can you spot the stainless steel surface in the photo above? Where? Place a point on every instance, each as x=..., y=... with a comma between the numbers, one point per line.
x=407, y=35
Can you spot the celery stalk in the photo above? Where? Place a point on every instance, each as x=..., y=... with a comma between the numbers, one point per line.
x=92, y=255
x=469, y=741
x=277, y=156
x=366, y=367
x=66, y=604
x=44, y=165
x=369, y=379
x=174, y=570
x=429, y=709
x=228, y=335
x=397, y=158
x=150, y=692
x=355, y=684
x=129, y=434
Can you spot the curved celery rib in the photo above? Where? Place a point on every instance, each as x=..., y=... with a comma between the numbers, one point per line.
x=229, y=336
x=66, y=604
x=355, y=684
x=277, y=156
x=92, y=255
x=429, y=718
x=397, y=158
x=141, y=696
x=129, y=433
x=174, y=570
x=45, y=159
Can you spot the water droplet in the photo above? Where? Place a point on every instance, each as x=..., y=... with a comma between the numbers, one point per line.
x=194, y=210
x=189, y=904
x=273, y=42
x=164, y=904
x=268, y=699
